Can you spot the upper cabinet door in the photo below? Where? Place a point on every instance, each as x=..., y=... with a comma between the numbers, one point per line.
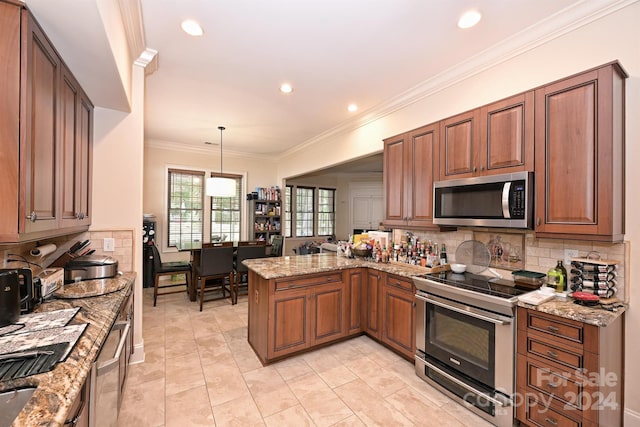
x=507, y=135
x=458, y=146
x=394, y=181
x=423, y=149
x=39, y=130
x=580, y=156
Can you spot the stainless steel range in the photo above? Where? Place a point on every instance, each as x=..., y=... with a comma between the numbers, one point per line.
x=465, y=343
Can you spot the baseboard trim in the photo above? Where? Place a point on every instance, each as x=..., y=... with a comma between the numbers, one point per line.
x=631, y=418
x=138, y=354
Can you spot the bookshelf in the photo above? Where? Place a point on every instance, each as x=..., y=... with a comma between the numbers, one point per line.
x=265, y=213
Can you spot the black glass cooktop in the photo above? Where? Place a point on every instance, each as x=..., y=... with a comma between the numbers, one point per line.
x=493, y=286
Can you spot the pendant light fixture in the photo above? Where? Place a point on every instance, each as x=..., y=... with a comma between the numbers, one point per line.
x=219, y=186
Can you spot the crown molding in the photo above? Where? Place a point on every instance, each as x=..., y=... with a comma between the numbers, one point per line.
x=148, y=60
x=562, y=22
x=203, y=149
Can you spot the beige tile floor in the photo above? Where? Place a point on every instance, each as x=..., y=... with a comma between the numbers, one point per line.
x=200, y=371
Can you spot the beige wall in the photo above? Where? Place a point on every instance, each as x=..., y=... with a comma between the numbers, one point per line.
x=259, y=172
x=612, y=37
x=117, y=181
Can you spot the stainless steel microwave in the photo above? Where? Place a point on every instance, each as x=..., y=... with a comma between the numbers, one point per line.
x=488, y=201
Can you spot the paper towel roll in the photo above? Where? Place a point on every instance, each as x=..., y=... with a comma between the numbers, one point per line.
x=44, y=250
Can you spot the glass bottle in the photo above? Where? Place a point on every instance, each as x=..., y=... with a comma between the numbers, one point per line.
x=443, y=255
x=560, y=267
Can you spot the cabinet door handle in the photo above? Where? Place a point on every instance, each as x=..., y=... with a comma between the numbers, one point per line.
x=474, y=169
x=552, y=354
x=552, y=385
x=33, y=217
x=551, y=421
x=552, y=329
x=481, y=168
x=538, y=222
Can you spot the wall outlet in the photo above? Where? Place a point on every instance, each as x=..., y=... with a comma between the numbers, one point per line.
x=568, y=254
x=108, y=244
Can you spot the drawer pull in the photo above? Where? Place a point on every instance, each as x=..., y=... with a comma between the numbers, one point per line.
x=551, y=421
x=553, y=329
x=552, y=354
x=552, y=385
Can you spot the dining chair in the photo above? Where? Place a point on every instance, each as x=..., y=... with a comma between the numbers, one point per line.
x=246, y=250
x=168, y=269
x=216, y=266
x=276, y=245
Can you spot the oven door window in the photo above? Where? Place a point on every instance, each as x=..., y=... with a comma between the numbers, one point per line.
x=462, y=342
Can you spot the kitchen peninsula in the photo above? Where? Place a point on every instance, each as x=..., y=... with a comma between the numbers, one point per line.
x=300, y=302
x=63, y=393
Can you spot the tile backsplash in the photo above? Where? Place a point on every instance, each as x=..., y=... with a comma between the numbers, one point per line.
x=539, y=254
x=19, y=255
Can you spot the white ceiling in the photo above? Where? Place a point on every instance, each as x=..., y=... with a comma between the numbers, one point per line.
x=333, y=52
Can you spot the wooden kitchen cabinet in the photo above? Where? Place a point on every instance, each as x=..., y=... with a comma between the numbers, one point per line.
x=77, y=129
x=410, y=167
x=493, y=139
x=306, y=311
x=373, y=289
x=36, y=115
x=398, y=315
x=355, y=291
x=579, y=148
x=568, y=372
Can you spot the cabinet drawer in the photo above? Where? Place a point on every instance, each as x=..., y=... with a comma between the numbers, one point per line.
x=567, y=358
x=310, y=280
x=562, y=387
x=539, y=415
x=400, y=282
x=556, y=328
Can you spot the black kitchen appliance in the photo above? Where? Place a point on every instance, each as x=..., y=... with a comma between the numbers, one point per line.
x=30, y=292
x=9, y=297
x=148, y=240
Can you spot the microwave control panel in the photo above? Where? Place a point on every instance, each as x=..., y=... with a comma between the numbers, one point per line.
x=517, y=199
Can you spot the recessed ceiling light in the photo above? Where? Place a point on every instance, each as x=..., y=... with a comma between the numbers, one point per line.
x=469, y=19
x=286, y=88
x=192, y=28
x=352, y=107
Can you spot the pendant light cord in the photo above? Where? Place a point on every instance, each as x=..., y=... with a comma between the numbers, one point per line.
x=221, y=129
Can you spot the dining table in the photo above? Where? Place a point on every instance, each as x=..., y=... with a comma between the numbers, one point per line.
x=195, y=248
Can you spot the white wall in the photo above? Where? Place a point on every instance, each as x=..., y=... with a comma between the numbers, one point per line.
x=117, y=180
x=612, y=37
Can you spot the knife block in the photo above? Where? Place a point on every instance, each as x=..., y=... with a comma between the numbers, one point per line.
x=63, y=260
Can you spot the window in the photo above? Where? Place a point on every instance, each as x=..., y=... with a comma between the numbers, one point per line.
x=304, y=212
x=287, y=211
x=225, y=215
x=186, y=201
x=326, y=212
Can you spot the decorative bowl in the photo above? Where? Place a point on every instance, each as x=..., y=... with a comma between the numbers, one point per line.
x=361, y=253
x=458, y=268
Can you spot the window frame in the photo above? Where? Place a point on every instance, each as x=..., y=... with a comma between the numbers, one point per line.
x=331, y=213
x=233, y=236
x=296, y=214
x=169, y=181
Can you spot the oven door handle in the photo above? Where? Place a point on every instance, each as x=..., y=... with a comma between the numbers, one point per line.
x=469, y=311
x=108, y=365
x=463, y=384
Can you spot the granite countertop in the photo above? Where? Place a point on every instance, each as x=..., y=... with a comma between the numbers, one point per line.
x=285, y=266
x=57, y=389
x=273, y=268
x=568, y=309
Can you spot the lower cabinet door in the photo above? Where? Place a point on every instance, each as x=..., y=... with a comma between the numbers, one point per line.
x=328, y=308
x=289, y=325
x=398, y=320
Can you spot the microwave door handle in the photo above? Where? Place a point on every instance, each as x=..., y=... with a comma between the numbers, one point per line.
x=505, y=200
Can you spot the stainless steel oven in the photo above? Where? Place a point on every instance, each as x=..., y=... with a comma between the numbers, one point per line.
x=465, y=342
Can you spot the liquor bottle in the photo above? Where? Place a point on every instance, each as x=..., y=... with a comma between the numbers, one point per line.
x=443, y=255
